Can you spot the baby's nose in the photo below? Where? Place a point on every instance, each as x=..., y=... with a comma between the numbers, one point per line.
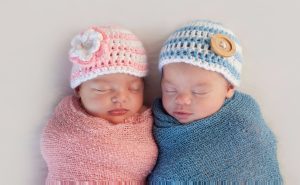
x=183, y=99
x=120, y=97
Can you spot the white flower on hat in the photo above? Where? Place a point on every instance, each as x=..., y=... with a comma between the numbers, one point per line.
x=85, y=45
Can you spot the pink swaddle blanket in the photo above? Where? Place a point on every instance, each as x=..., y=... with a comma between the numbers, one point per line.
x=82, y=149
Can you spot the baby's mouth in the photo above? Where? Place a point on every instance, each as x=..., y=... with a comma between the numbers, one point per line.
x=118, y=112
x=182, y=115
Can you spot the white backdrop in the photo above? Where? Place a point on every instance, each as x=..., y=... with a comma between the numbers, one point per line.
x=34, y=42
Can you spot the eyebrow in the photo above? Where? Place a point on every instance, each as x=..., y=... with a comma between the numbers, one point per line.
x=196, y=85
x=109, y=81
x=99, y=80
x=201, y=84
x=168, y=83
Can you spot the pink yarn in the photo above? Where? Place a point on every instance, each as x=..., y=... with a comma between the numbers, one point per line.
x=104, y=50
x=94, y=70
x=81, y=149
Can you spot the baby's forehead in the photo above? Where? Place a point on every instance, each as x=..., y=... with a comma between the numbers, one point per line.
x=175, y=72
x=117, y=78
x=180, y=68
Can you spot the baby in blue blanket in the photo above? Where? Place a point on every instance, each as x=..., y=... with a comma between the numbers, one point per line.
x=206, y=130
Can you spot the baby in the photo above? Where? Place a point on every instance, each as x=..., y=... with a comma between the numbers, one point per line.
x=102, y=133
x=207, y=131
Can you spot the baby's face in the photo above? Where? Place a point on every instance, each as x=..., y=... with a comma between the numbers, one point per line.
x=113, y=97
x=191, y=93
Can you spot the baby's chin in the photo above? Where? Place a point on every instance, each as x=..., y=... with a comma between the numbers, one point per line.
x=117, y=119
x=120, y=119
x=185, y=122
x=189, y=120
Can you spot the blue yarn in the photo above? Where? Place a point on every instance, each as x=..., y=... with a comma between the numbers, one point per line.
x=207, y=29
x=194, y=40
x=207, y=58
x=192, y=44
x=232, y=146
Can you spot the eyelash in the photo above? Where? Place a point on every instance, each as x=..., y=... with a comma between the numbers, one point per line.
x=199, y=93
x=195, y=93
x=170, y=91
x=108, y=90
x=102, y=90
x=134, y=89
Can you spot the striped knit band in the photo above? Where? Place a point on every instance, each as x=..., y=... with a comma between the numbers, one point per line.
x=192, y=44
x=106, y=50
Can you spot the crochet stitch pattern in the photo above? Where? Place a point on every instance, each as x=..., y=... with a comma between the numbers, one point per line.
x=106, y=50
x=191, y=44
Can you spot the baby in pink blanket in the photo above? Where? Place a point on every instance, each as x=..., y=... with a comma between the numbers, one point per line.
x=102, y=133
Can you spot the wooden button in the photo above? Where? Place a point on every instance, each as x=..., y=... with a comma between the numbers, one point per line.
x=222, y=45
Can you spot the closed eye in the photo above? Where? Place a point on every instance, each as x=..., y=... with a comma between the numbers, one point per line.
x=135, y=89
x=101, y=90
x=199, y=92
x=170, y=91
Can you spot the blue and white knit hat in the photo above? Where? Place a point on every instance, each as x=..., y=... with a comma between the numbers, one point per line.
x=205, y=44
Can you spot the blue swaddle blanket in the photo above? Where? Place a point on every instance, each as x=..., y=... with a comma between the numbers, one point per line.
x=232, y=146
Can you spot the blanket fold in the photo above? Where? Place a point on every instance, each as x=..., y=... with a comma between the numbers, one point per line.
x=79, y=148
x=234, y=145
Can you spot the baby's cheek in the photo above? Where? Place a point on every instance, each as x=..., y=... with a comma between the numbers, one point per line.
x=167, y=104
x=95, y=106
x=139, y=98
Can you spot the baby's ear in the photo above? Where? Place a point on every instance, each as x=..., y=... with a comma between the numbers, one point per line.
x=76, y=92
x=230, y=90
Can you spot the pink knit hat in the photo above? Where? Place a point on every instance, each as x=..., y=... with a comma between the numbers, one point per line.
x=106, y=50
